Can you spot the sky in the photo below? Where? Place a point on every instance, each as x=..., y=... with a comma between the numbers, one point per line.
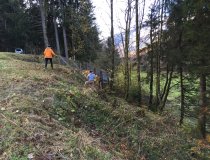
x=102, y=14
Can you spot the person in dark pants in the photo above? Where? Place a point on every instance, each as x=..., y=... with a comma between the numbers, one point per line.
x=48, y=55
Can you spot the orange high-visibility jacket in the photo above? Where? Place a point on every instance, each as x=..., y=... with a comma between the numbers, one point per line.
x=48, y=53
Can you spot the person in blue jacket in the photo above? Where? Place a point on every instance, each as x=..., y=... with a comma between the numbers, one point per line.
x=90, y=78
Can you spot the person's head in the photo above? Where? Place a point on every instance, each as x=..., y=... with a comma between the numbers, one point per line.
x=91, y=71
x=49, y=46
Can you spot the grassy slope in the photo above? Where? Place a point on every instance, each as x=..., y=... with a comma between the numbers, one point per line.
x=49, y=114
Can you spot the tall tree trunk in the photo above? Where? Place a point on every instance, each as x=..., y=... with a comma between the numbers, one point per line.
x=64, y=30
x=130, y=72
x=203, y=105
x=163, y=102
x=65, y=42
x=166, y=82
x=70, y=34
x=127, y=37
x=182, y=92
x=43, y=19
x=151, y=64
x=138, y=30
x=182, y=108
x=158, y=55
x=56, y=33
x=157, y=79
x=137, y=51
x=112, y=48
x=151, y=81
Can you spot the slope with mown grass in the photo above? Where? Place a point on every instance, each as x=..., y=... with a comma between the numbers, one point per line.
x=48, y=114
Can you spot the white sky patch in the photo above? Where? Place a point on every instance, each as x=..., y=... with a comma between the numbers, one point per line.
x=103, y=15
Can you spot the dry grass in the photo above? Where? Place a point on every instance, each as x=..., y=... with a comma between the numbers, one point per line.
x=27, y=128
x=48, y=114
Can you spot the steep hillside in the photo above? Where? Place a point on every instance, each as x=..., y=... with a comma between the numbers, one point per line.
x=49, y=114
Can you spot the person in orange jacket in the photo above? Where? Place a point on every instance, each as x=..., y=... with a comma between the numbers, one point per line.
x=48, y=55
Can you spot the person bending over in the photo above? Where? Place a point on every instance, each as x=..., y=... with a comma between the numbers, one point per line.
x=91, y=76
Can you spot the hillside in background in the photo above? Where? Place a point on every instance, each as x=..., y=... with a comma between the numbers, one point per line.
x=49, y=114
x=132, y=47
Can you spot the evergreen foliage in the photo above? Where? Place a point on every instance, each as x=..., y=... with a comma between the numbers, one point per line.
x=20, y=24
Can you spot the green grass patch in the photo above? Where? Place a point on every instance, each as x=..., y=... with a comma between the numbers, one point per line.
x=48, y=113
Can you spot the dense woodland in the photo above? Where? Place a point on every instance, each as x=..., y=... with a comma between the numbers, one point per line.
x=175, y=73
